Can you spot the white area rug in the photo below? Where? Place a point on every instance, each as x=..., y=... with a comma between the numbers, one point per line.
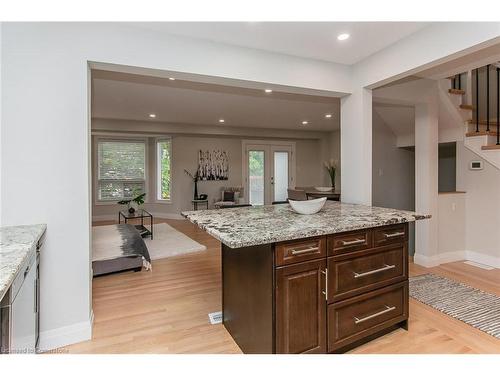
x=169, y=242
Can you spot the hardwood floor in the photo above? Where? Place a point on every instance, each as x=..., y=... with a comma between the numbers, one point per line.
x=165, y=311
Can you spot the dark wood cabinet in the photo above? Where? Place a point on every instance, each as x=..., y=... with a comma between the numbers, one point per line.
x=301, y=308
x=321, y=294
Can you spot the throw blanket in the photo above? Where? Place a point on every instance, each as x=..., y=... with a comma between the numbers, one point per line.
x=123, y=241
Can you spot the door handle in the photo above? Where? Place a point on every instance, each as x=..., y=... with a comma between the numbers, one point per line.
x=325, y=292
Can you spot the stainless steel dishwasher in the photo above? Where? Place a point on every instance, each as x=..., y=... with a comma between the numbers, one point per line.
x=19, y=309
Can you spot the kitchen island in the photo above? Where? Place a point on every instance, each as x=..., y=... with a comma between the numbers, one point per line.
x=319, y=283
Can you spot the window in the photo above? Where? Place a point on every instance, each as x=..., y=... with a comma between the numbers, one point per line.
x=164, y=171
x=121, y=169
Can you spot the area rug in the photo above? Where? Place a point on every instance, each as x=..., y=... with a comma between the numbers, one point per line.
x=169, y=242
x=475, y=307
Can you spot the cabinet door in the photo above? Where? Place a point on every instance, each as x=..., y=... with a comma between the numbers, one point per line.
x=301, y=308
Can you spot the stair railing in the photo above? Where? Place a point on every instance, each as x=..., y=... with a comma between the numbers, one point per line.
x=498, y=106
x=477, y=100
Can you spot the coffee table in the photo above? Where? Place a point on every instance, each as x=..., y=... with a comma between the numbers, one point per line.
x=138, y=214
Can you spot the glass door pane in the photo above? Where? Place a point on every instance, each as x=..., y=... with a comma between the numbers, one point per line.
x=256, y=177
x=280, y=175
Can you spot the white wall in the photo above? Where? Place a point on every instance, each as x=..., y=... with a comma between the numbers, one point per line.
x=482, y=206
x=185, y=156
x=1, y=49
x=452, y=227
x=45, y=148
x=393, y=169
x=187, y=140
x=432, y=45
x=393, y=173
x=356, y=150
x=426, y=181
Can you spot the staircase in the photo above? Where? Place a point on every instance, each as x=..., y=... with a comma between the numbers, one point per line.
x=482, y=112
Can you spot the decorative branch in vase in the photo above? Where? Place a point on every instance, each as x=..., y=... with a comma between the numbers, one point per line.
x=331, y=167
x=195, y=177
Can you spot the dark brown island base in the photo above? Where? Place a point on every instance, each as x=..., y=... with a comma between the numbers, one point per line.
x=323, y=294
x=321, y=283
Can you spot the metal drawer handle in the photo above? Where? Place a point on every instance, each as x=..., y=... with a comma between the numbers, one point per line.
x=396, y=234
x=311, y=249
x=387, y=309
x=384, y=268
x=353, y=242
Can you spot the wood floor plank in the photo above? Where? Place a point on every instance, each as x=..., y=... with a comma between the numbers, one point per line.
x=165, y=311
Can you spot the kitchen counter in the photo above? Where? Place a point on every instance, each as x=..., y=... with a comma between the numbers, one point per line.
x=250, y=226
x=320, y=283
x=17, y=244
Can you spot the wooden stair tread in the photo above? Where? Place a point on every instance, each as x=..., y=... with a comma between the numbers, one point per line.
x=483, y=122
x=456, y=91
x=490, y=147
x=466, y=106
x=481, y=132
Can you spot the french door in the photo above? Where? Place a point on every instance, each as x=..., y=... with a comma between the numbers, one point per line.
x=268, y=171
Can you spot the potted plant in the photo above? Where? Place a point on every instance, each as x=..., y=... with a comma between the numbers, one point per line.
x=331, y=167
x=195, y=177
x=138, y=200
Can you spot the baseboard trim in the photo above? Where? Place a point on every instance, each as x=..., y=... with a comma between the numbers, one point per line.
x=436, y=260
x=455, y=256
x=155, y=215
x=59, y=337
x=487, y=260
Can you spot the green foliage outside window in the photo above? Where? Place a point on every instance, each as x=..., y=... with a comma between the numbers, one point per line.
x=165, y=171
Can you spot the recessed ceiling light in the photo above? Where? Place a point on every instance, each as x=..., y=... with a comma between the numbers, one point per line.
x=221, y=120
x=268, y=90
x=328, y=115
x=171, y=78
x=152, y=115
x=305, y=122
x=343, y=36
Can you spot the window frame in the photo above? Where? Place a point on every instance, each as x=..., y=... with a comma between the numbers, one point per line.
x=158, y=171
x=97, y=140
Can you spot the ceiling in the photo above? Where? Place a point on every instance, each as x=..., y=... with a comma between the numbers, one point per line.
x=316, y=40
x=127, y=96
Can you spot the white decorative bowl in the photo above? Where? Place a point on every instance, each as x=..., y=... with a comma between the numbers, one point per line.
x=308, y=207
x=323, y=188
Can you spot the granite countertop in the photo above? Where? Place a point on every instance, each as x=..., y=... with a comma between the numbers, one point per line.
x=248, y=226
x=16, y=245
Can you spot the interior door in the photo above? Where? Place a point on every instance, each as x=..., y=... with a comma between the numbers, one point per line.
x=269, y=172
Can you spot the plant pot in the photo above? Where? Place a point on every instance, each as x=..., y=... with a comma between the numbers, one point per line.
x=131, y=210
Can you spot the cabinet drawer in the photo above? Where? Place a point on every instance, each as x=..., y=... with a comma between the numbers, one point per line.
x=368, y=270
x=390, y=234
x=367, y=314
x=350, y=241
x=300, y=250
